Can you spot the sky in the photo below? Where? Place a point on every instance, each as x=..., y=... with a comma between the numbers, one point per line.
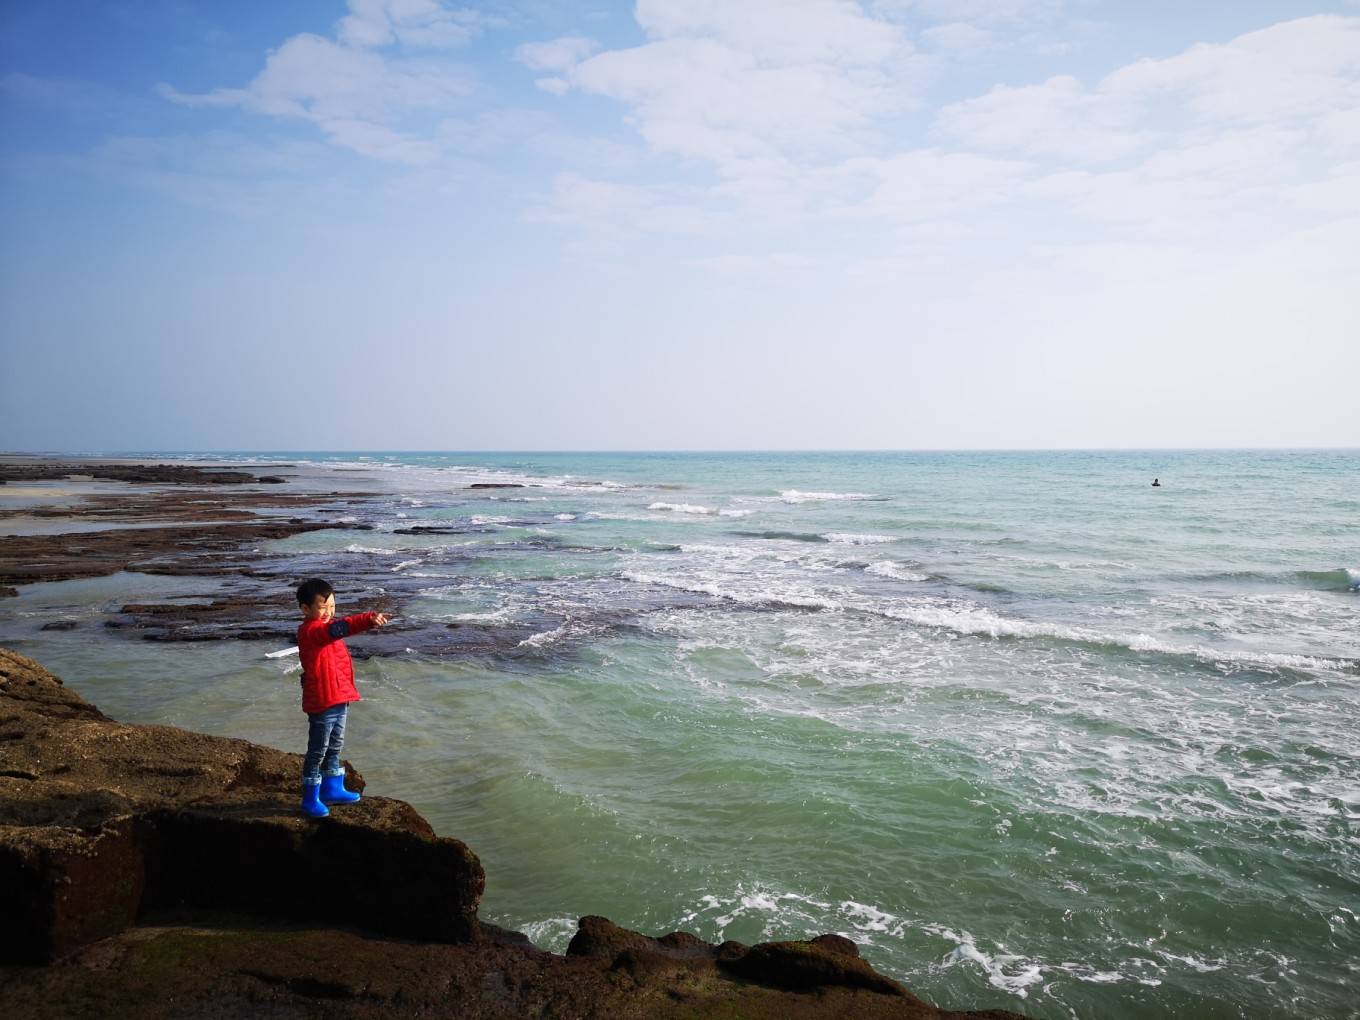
x=678, y=224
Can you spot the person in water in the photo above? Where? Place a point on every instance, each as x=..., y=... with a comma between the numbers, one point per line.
x=1156, y=483
x=327, y=689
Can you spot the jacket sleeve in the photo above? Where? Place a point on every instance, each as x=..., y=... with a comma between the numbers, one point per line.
x=315, y=634
x=356, y=624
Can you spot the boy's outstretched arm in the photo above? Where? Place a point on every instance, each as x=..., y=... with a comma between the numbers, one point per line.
x=355, y=624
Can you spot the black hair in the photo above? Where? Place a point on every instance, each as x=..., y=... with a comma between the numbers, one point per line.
x=309, y=590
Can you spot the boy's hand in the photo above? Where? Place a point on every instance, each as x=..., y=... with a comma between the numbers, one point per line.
x=380, y=620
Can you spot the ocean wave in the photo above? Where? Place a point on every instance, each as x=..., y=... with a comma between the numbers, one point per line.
x=795, y=496
x=564, y=517
x=729, y=512
x=896, y=571
x=354, y=547
x=715, y=587
x=484, y=519
x=847, y=538
x=1009, y=972
x=546, y=637
x=788, y=536
x=1340, y=579
x=723, y=572
x=681, y=508
x=977, y=621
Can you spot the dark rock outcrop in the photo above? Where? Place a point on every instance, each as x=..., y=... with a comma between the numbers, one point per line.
x=178, y=474
x=155, y=871
x=120, y=822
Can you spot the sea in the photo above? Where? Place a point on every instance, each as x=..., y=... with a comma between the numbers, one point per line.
x=1035, y=733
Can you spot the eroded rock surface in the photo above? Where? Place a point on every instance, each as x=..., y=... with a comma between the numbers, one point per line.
x=103, y=824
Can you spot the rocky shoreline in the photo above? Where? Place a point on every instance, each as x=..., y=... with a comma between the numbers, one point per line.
x=197, y=522
x=155, y=868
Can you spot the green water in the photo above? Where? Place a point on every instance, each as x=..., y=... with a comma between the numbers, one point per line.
x=1034, y=734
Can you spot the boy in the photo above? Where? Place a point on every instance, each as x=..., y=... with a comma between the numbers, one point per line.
x=327, y=690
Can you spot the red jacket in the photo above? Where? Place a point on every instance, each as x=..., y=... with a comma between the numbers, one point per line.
x=327, y=673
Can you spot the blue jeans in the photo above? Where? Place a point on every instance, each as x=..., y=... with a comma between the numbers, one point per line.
x=325, y=741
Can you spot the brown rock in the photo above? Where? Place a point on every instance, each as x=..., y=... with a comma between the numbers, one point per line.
x=120, y=822
x=799, y=966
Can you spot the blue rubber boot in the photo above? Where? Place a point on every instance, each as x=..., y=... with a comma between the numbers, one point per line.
x=311, y=801
x=333, y=789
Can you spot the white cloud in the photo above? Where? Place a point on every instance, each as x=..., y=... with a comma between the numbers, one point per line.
x=1293, y=69
x=922, y=185
x=720, y=81
x=612, y=212
x=556, y=54
x=358, y=97
x=986, y=12
x=1338, y=193
x=1060, y=117
x=959, y=36
x=1308, y=69
x=411, y=22
x=777, y=31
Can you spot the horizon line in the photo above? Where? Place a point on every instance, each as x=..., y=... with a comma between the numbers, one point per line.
x=690, y=450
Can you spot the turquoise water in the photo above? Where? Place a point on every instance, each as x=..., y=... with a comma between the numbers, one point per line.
x=1034, y=733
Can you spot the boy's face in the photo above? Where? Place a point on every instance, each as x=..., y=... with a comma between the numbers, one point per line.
x=321, y=608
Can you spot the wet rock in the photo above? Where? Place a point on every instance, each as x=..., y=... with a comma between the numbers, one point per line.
x=496, y=485
x=798, y=966
x=61, y=625
x=828, y=960
x=25, y=559
x=7, y=592
x=183, y=474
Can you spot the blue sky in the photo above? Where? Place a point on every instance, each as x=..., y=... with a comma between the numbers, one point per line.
x=678, y=224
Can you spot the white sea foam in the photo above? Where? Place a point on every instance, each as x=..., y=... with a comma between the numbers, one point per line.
x=794, y=496
x=552, y=933
x=489, y=519
x=1008, y=971
x=729, y=512
x=719, y=587
x=406, y=563
x=372, y=550
x=546, y=637
x=681, y=508
x=847, y=538
x=967, y=618
x=502, y=615
x=565, y=517
x=896, y=571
